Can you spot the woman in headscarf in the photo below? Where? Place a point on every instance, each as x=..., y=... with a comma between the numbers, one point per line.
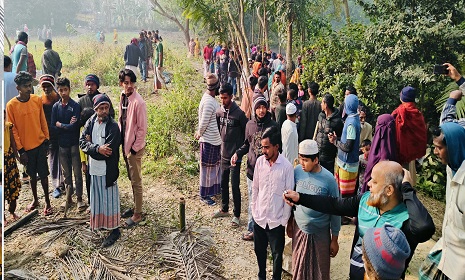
x=383, y=146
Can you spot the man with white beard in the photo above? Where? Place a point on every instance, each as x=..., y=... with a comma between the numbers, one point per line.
x=391, y=200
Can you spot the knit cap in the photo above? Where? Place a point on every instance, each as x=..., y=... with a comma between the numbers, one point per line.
x=212, y=82
x=408, y=94
x=259, y=99
x=100, y=99
x=387, y=250
x=93, y=78
x=47, y=79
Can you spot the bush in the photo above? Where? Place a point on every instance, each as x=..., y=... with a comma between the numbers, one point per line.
x=432, y=177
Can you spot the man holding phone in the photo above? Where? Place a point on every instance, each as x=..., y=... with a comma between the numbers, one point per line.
x=449, y=112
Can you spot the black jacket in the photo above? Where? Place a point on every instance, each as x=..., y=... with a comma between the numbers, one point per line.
x=418, y=228
x=334, y=123
x=252, y=144
x=112, y=137
x=232, y=125
x=132, y=55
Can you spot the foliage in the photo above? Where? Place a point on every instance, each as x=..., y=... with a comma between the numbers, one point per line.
x=432, y=180
x=398, y=48
x=176, y=113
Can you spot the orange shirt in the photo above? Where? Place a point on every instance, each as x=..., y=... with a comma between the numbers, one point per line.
x=30, y=126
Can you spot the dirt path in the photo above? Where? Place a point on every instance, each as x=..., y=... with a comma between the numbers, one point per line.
x=136, y=248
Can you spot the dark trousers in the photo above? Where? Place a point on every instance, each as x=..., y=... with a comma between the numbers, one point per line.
x=227, y=169
x=329, y=165
x=261, y=238
x=88, y=184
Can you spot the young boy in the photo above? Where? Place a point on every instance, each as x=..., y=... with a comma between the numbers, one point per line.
x=65, y=121
x=363, y=161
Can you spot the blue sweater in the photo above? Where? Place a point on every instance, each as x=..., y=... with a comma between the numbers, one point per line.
x=68, y=134
x=321, y=183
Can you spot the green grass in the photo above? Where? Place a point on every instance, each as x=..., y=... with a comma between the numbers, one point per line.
x=172, y=117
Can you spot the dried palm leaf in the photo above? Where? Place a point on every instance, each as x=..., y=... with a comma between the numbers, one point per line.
x=190, y=254
x=22, y=274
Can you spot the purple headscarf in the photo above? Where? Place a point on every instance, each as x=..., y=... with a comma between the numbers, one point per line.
x=383, y=146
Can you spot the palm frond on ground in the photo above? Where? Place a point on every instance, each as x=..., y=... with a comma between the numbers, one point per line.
x=190, y=254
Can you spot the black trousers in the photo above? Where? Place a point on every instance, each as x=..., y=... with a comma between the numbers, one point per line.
x=261, y=238
x=234, y=171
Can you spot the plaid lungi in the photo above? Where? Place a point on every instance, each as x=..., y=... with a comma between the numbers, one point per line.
x=310, y=254
x=210, y=169
x=104, y=204
x=429, y=268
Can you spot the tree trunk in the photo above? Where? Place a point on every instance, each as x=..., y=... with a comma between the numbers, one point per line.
x=289, y=51
x=265, y=26
x=184, y=28
x=186, y=32
x=346, y=10
x=241, y=22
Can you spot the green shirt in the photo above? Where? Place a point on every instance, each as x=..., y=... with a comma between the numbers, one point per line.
x=158, y=51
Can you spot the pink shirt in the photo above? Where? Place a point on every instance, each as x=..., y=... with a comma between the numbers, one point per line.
x=136, y=123
x=269, y=184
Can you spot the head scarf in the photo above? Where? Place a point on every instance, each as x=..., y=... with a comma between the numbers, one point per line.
x=383, y=146
x=454, y=136
x=351, y=104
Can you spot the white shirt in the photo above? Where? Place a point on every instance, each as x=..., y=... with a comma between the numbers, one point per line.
x=290, y=140
x=452, y=242
x=98, y=167
x=269, y=183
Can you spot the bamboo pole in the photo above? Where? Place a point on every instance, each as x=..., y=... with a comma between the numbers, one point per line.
x=182, y=214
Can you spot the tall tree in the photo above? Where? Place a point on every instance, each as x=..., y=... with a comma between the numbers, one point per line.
x=171, y=12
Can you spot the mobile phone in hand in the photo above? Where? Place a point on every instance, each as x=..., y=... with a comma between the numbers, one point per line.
x=440, y=69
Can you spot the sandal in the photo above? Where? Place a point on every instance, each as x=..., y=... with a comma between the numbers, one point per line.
x=235, y=222
x=220, y=214
x=48, y=211
x=31, y=207
x=131, y=223
x=111, y=239
x=247, y=236
x=128, y=213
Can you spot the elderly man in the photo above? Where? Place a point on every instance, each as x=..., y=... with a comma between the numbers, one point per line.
x=100, y=140
x=31, y=136
x=391, y=199
x=210, y=142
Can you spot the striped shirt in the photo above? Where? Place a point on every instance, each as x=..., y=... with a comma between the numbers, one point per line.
x=208, y=127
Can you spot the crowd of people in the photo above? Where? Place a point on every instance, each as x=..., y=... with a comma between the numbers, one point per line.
x=52, y=134
x=147, y=54
x=312, y=167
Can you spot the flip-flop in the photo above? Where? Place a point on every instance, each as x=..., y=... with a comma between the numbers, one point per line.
x=31, y=207
x=48, y=211
x=128, y=213
x=131, y=223
x=111, y=239
x=219, y=214
x=235, y=222
x=247, y=236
